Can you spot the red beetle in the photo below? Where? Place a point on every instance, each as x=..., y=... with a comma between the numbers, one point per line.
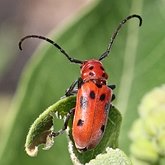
x=94, y=96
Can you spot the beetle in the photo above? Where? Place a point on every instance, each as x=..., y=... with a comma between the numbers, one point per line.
x=93, y=98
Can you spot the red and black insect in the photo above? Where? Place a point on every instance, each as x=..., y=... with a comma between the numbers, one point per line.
x=94, y=96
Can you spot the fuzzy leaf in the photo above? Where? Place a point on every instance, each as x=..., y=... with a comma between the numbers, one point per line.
x=111, y=157
x=148, y=134
x=110, y=139
x=136, y=65
x=42, y=127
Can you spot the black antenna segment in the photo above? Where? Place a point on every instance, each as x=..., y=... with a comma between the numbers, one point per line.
x=107, y=52
x=53, y=43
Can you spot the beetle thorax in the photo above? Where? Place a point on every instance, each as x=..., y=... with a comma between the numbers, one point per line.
x=93, y=70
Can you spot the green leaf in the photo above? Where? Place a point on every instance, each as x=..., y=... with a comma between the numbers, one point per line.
x=136, y=65
x=110, y=139
x=42, y=128
x=111, y=157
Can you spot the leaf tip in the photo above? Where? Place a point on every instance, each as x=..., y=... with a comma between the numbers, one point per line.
x=32, y=151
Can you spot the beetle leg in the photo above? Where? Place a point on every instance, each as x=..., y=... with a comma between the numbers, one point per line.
x=112, y=86
x=71, y=90
x=113, y=97
x=80, y=82
x=61, y=131
x=74, y=87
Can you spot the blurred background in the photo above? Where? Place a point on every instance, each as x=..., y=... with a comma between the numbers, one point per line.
x=19, y=18
x=83, y=28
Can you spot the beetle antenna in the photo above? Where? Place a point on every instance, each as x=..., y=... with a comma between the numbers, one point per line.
x=106, y=53
x=53, y=43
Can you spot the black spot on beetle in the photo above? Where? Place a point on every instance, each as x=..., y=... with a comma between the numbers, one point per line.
x=83, y=102
x=102, y=97
x=103, y=75
x=102, y=128
x=101, y=68
x=91, y=73
x=92, y=94
x=91, y=67
x=80, y=122
x=98, y=85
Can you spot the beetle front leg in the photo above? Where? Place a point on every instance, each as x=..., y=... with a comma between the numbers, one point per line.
x=72, y=89
x=112, y=86
x=61, y=131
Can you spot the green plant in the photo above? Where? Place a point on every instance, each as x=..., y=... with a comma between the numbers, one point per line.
x=46, y=122
x=148, y=134
x=136, y=65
